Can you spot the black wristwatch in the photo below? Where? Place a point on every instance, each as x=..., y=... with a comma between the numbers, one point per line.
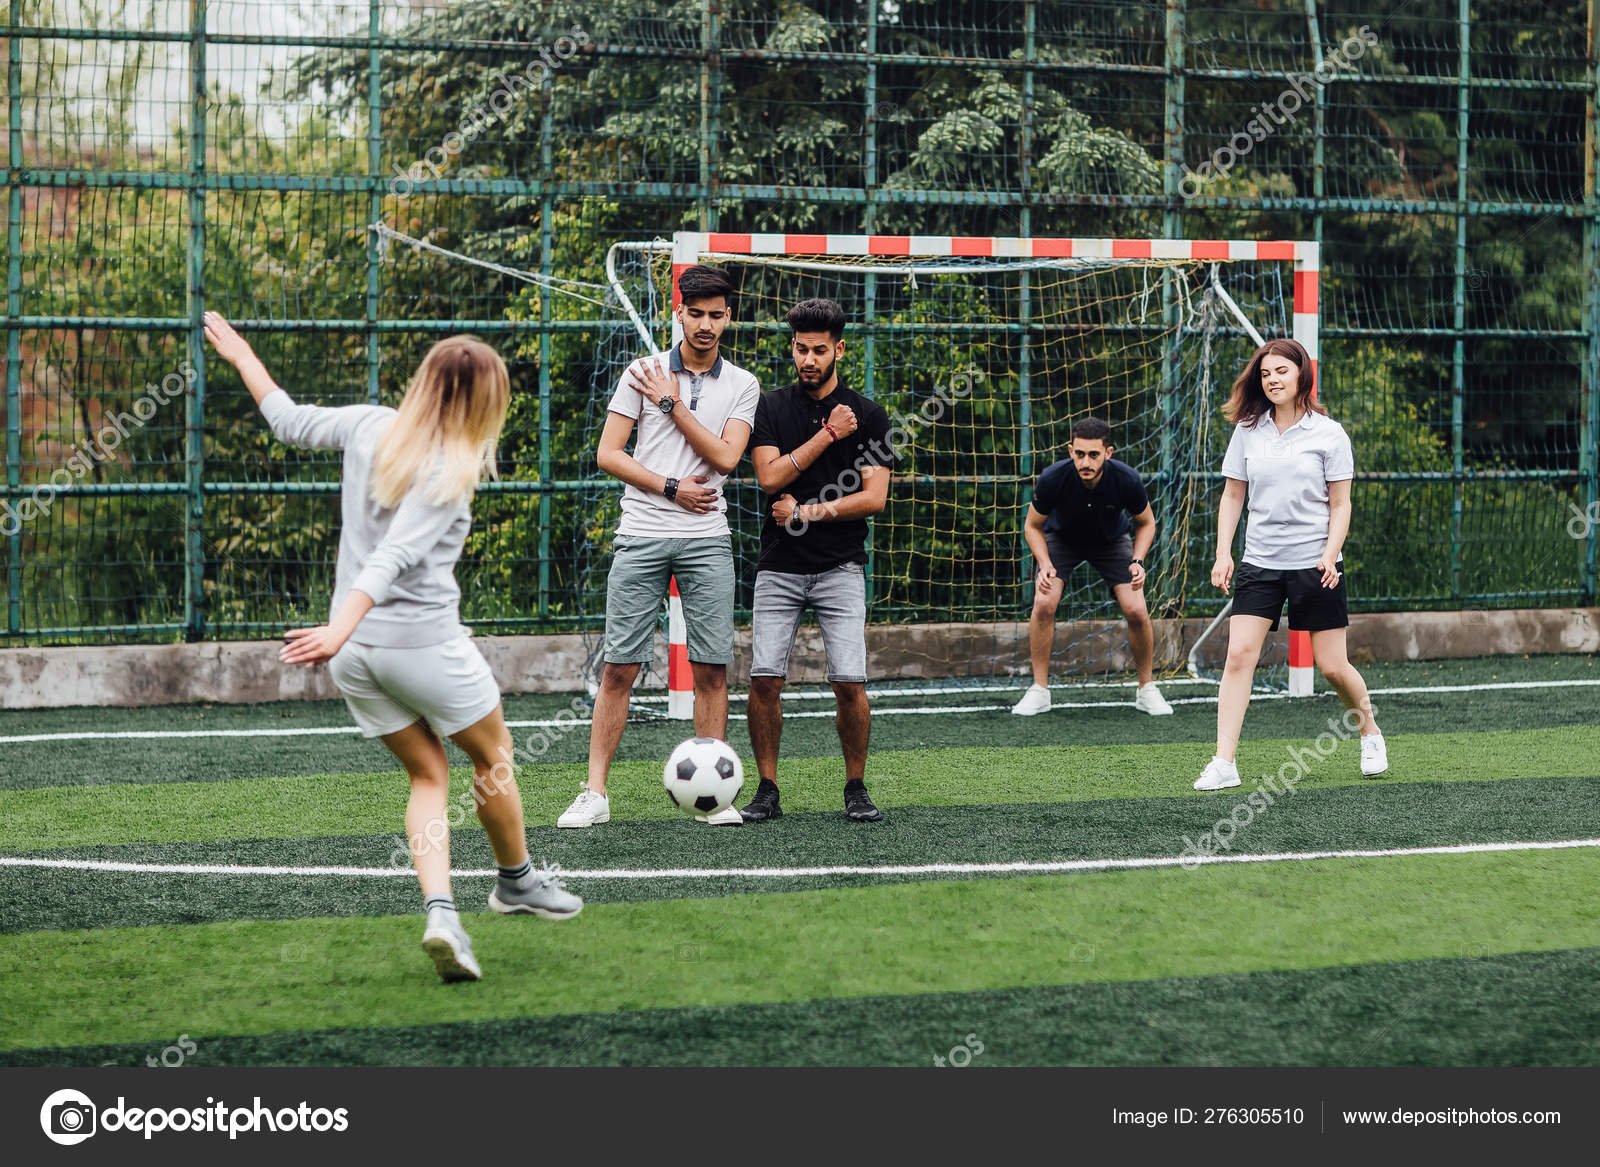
x=671, y=490
x=665, y=405
x=1131, y=562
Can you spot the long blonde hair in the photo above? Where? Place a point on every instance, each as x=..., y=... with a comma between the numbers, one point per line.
x=453, y=410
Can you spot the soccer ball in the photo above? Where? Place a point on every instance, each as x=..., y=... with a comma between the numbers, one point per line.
x=703, y=775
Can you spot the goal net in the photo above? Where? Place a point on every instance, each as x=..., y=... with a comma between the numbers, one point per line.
x=984, y=352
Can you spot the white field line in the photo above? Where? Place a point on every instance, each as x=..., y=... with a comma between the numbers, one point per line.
x=937, y=691
x=309, y=731
x=1045, y=867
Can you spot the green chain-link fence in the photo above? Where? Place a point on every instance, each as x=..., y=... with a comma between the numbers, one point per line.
x=184, y=156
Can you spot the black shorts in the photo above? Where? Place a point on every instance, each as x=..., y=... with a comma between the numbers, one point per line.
x=1261, y=591
x=1109, y=559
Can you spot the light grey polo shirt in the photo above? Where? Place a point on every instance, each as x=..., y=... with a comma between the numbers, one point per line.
x=1287, y=476
x=722, y=394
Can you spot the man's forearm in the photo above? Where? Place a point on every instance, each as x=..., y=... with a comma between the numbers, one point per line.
x=1036, y=544
x=860, y=505
x=1144, y=538
x=624, y=467
x=781, y=472
x=705, y=443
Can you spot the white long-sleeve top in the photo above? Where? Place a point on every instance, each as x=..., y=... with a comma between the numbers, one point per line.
x=405, y=557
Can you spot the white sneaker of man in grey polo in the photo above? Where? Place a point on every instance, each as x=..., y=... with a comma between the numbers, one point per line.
x=1034, y=702
x=587, y=810
x=1219, y=774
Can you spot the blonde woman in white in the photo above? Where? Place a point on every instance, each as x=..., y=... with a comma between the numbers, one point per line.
x=394, y=642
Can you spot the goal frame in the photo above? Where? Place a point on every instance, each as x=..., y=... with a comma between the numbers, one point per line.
x=692, y=247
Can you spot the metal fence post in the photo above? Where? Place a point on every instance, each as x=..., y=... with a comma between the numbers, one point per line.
x=1589, y=411
x=1172, y=228
x=13, y=310
x=869, y=184
x=1030, y=50
x=1458, y=352
x=194, y=551
x=375, y=189
x=546, y=267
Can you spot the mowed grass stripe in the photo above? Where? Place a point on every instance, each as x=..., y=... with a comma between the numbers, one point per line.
x=115, y=761
x=79, y=816
x=121, y=985
x=1518, y=1009
x=1336, y=818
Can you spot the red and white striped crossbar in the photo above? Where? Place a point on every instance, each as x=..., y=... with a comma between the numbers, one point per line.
x=690, y=247
x=680, y=680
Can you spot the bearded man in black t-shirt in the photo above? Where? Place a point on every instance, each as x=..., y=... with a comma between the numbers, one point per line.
x=821, y=454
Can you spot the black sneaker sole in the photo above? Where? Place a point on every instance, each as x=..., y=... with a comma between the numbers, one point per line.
x=762, y=816
x=874, y=816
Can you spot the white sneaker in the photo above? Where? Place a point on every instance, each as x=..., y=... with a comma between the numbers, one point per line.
x=1035, y=700
x=1218, y=775
x=1374, y=754
x=1149, y=700
x=448, y=947
x=586, y=810
x=727, y=816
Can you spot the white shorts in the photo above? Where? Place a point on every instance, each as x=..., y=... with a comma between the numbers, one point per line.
x=448, y=685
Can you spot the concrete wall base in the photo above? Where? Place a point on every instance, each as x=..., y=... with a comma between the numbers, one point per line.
x=248, y=671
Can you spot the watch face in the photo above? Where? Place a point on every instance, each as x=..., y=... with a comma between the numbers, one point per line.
x=666, y=404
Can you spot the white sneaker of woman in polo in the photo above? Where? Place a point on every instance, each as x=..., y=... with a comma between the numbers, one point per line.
x=1294, y=463
x=394, y=643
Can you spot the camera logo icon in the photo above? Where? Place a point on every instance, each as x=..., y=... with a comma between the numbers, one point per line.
x=68, y=1117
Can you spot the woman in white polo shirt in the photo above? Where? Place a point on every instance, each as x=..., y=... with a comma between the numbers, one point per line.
x=1295, y=464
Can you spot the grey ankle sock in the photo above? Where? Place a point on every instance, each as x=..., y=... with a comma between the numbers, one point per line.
x=517, y=876
x=444, y=904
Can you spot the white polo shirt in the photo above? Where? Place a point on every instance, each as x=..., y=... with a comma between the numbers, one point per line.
x=1287, y=475
x=722, y=394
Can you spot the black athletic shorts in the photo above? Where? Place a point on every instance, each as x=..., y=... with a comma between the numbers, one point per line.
x=1261, y=591
x=1109, y=559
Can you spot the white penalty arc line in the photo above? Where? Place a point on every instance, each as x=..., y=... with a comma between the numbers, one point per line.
x=1040, y=867
x=878, y=711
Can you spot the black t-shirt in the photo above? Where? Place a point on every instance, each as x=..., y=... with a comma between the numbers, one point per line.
x=1084, y=517
x=788, y=418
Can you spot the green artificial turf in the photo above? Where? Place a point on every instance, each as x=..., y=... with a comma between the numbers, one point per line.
x=1342, y=817
x=100, y=760
x=362, y=803
x=1520, y=1009
x=152, y=983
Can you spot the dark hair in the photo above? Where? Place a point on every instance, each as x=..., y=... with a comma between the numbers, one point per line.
x=817, y=316
x=1249, y=400
x=1091, y=429
x=705, y=283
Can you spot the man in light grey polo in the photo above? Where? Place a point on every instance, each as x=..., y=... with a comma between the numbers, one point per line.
x=693, y=412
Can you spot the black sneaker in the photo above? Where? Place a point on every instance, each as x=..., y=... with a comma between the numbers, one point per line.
x=765, y=803
x=858, y=806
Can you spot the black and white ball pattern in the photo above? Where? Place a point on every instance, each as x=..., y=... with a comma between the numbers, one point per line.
x=703, y=775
